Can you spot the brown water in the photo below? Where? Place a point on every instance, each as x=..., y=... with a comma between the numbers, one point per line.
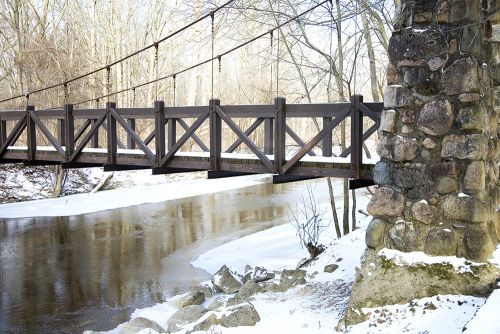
x=69, y=274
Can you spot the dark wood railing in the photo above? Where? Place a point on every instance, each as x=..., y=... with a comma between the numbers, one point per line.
x=69, y=142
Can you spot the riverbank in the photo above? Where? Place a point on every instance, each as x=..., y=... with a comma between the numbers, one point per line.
x=318, y=305
x=138, y=187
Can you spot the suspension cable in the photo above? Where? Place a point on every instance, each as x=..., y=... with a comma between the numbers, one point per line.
x=212, y=16
x=156, y=70
x=105, y=67
x=206, y=61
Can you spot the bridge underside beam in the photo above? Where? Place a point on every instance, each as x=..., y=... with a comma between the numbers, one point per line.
x=217, y=174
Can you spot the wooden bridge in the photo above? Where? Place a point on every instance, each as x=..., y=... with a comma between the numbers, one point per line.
x=75, y=146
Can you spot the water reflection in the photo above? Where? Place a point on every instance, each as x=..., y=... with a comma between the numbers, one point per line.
x=67, y=274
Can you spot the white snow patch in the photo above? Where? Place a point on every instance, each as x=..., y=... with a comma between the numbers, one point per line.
x=119, y=198
x=486, y=319
x=461, y=265
x=432, y=315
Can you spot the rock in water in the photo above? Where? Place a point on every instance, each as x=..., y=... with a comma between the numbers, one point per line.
x=184, y=316
x=224, y=281
x=139, y=324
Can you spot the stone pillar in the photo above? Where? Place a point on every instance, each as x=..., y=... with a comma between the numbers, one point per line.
x=439, y=145
x=438, y=176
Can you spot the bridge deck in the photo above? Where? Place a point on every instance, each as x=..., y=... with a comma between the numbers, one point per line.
x=194, y=161
x=77, y=144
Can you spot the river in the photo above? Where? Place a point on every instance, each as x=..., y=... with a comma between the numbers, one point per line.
x=69, y=274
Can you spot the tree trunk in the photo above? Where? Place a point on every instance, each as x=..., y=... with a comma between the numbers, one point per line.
x=334, y=208
x=353, y=212
x=60, y=178
x=371, y=53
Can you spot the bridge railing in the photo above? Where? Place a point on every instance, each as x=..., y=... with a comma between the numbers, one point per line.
x=77, y=131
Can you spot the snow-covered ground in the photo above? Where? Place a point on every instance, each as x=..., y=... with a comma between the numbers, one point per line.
x=314, y=307
x=317, y=306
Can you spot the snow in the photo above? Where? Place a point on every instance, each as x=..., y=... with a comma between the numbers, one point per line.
x=487, y=318
x=318, y=306
x=119, y=198
x=420, y=258
x=438, y=314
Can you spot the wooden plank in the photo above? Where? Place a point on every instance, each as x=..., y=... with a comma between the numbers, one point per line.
x=248, y=132
x=130, y=141
x=14, y=135
x=159, y=131
x=70, y=130
x=217, y=174
x=316, y=110
x=196, y=139
x=360, y=183
x=186, y=112
x=268, y=135
x=134, y=135
x=280, y=134
x=43, y=129
x=327, y=140
x=95, y=137
x=356, y=136
x=150, y=138
x=298, y=140
x=82, y=130
x=366, y=135
x=279, y=179
x=119, y=143
x=183, y=139
x=30, y=134
x=61, y=132
x=3, y=131
x=91, y=134
x=368, y=112
x=249, y=111
x=215, y=135
x=112, y=140
x=251, y=145
x=315, y=140
x=171, y=132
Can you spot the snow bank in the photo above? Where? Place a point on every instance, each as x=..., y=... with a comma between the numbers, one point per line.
x=486, y=319
x=119, y=198
x=460, y=264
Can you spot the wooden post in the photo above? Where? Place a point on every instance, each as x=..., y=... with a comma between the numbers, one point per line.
x=3, y=132
x=69, y=123
x=280, y=134
x=61, y=132
x=356, y=136
x=94, y=142
x=268, y=135
x=111, y=134
x=130, y=141
x=172, y=133
x=159, y=131
x=327, y=140
x=215, y=136
x=31, y=133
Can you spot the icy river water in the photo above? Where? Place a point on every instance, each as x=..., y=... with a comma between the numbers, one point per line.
x=69, y=274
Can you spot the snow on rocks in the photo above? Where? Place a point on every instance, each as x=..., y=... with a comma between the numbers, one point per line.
x=433, y=315
x=461, y=265
x=224, y=281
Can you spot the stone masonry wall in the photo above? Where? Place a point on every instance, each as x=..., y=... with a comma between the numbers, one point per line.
x=438, y=176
